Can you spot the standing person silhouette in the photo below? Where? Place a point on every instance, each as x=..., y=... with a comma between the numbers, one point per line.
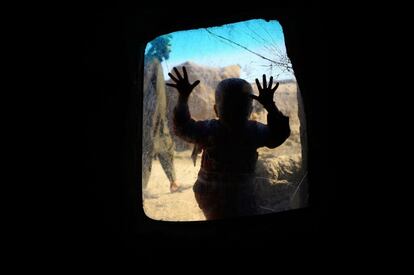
x=225, y=182
x=157, y=141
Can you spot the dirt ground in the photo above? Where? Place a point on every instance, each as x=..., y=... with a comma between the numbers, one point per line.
x=178, y=206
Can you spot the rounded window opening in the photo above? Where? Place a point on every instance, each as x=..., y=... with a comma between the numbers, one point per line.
x=216, y=142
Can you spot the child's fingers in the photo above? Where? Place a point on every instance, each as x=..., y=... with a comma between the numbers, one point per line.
x=254, y=97
x=185, y=73
x=274, y=89
x=270, y=82
x=195, y=84
x=264, y=81
x=177, y=73
x=172, y=77
x=258, y=84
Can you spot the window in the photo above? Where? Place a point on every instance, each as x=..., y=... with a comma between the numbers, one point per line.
x=245, y=50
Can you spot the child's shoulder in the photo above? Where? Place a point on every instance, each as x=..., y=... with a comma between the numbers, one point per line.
x=253, y=123
x=212, y=122
x=209, y=123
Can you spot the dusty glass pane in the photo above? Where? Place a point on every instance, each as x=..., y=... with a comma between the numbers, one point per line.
x=171, y=165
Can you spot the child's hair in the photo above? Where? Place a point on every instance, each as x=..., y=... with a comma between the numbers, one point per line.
x=233, y=102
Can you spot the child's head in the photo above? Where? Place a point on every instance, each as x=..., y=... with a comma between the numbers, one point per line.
x=233, y=102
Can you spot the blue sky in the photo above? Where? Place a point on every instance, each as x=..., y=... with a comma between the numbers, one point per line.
x=201, y=47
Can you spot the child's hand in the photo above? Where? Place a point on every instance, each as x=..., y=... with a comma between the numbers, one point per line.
x=266, y=93
x=182, y=84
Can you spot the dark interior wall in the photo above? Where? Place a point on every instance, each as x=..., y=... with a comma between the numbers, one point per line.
x=111, y=42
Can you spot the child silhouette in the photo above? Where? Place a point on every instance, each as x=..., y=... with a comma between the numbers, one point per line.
x=225, y=183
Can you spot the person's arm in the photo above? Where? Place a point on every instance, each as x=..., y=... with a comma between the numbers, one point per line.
x=277, y=129
x=184, y=126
